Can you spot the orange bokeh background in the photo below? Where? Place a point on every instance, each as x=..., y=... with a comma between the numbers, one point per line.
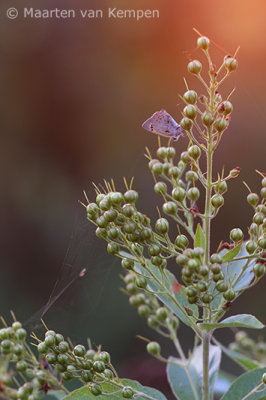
x=74, y=94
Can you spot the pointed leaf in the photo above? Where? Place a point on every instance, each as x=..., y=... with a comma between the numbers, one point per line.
x=239, y=358
x=243, y=385
x=183, y=381
x=214, y=364
x=232, y=253
x=199, y=240
x=85, y=394
x=239, y=320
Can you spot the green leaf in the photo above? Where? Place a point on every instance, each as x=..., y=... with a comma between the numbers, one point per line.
x=182, y=380
x=55, y=395
x=237, y=273
x=199, y=240
x=245, y=384
x=186, y=382
x=177, y=302
x=85, y=394
x=214, y=364
x=239, y=358
x=239, y=320
x=232, y=253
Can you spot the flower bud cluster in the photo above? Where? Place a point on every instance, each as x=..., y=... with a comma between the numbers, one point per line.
x=254, y=350
x=257, y=244
x=148, y=306
x=58, y=362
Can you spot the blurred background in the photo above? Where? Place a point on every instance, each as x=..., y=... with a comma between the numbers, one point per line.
x=74, y=94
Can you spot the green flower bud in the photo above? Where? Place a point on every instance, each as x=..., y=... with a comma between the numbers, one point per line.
x=110, y=215
x=190, y=111
x=162, y=153
x=263, y=192
x=101, y=233
x=191, y=291
x=216, y=259
x=162, y=313
x=21, y=334
x=171, y=152
x=101, y=222
x=186, y=123
x=194, y=67
x=221, y=286
x=170, y=208
x=130, y=227
x=113, y=248
x=162, y=226
x=253, y=199
x=116, y=198
x=220, y=124
x=144, y=311
x=191, y=176
x=203, y=42
x=63, y=347
x=207, y=119
x=141, y=282
x=190, y=97
x=166, y=167
x=192, y=300
x=194, y=152
x=251, y=247
x=181, y=242
x=155, y=260
x=95, y=389
x=262, y=242
x=207, y=298
x=86, y=376
x=198, y=252
x=181, y=260
x=229, y=295
x=216, y=268
x=21, y=366
x=203, y=270
x=127, y=392
x=225, y=108
x=264, y=378
x=230, y=63
x=154, y=250
x=49, y=341
x=51, y=358
x=192, y=264
x=153, y=321
x=131, y=288
x=153, y=348
x=174, y=172
x=62, y=359
x=185, y=157
x=263, y=182
x=193, y=194
x=236, y=234
x=127, y=263
x=105, y=204
x=217, y=201
x=16, y=325
x=259, y=270
x=258, y=218
x=109, y=374
x=98, y=366
x=131, y=196
x=99, y=198
x=160, y=188
x=202, y=286
x=79, y=350
x=42, y=348
x=178, y=194
x=221, y=187
x=218, y=277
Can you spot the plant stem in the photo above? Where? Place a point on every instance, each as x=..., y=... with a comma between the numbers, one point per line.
x=206, y=346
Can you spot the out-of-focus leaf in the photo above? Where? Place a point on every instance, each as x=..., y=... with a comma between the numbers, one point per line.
x=85, y=394
x=223, y=383
x=245, y=384
x=55, y=395
x=182, y=380
x=240, y=359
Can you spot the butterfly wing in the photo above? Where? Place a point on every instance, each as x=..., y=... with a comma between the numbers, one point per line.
x=163, y=124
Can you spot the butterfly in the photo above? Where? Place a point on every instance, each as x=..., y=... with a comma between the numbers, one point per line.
x=163, y=124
